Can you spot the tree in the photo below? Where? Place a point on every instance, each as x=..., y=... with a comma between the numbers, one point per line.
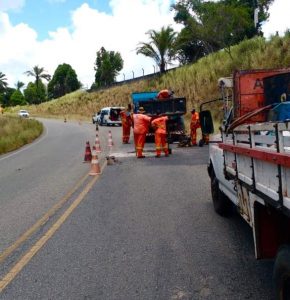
x=38, y=73
x=3, y=83
x=263, y=15
x=226, y=25
x=161, y=46
x=107, y=66
x=17, y=98
x=19, y=85
x=64, y=81
x=210, y=26
x=189, y=46
x=34, y=95
x=6, y=95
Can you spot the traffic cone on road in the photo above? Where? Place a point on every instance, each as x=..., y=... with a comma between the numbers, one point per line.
x=95, y=166
x=88, y=153
x=97, y=144
x=110, y=140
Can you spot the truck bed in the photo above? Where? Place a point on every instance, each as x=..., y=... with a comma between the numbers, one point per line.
x=258, y=155
x=169, y=107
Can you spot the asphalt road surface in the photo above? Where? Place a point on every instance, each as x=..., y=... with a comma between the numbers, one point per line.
x=145, y=229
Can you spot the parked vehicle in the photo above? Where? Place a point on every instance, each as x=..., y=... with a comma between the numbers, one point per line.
x=110, y=116
x=174, y=108
x=250, y=167
x=23, y=113
x=96, y=117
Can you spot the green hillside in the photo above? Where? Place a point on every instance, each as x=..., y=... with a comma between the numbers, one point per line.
x=196, y=82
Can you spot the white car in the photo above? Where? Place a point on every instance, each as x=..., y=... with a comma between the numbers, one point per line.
x=110, y=116
x=23, y=113
x=96, y=117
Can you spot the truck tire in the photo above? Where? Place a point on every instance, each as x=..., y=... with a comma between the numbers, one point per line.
x=281, y=274
x=221, y=203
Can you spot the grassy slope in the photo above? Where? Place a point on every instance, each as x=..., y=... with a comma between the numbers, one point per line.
x=196, y=82
x=16, y=132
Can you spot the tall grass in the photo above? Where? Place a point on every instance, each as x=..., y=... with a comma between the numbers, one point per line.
x=196, y=82
x=16, y=132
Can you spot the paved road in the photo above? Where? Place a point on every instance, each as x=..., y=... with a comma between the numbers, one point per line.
x=33, y=179
x=147, y=230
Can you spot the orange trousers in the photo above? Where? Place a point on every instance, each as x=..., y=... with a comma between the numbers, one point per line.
x=161, y=144
x=126, y=133
x=139, y=140
x=193, y=135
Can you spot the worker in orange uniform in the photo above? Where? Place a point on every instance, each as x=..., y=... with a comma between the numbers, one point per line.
x=126, y=118
x=159, y=125
x=194, y=125
x=141, y=124
x=165, y=94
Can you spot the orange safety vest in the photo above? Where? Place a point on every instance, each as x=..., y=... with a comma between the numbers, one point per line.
x=126, y=118
x=194, y=123
x=141, y=123
x=160, y=125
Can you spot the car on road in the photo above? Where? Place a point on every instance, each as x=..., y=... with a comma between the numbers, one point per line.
x=23, y=113
x=111, y=116
x=96, y=117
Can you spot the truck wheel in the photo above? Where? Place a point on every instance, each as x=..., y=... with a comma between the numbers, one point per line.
x=281, y=274
x=221, y=203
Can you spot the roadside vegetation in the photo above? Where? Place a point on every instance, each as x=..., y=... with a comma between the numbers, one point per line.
x=216, y=39
x=16, y=132
x=197, y=82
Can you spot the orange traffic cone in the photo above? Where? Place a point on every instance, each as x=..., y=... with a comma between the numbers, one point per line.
x=97, y=144
x=110, y=140
x=88, y=153
x=95, y=166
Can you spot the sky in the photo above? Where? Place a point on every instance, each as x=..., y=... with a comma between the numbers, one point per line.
x=47, y=33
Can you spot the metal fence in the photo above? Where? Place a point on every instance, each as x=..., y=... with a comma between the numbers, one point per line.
x=134, y=79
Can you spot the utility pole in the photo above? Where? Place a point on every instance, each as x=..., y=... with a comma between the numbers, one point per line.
x=256, y=13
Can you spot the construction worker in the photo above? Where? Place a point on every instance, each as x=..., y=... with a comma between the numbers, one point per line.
x=141, y=124
x=194, y=125
x=165, y=94
x=159, y=125
x=126, y=118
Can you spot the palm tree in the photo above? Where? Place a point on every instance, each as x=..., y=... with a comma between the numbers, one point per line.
x=160, y=46
x=38, y=73
x=19, y=85
x=3, y=83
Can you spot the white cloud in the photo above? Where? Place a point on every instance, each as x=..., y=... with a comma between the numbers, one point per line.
x=56, y=1
x=279, y=18
x=6, y=5
x=90, y=29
